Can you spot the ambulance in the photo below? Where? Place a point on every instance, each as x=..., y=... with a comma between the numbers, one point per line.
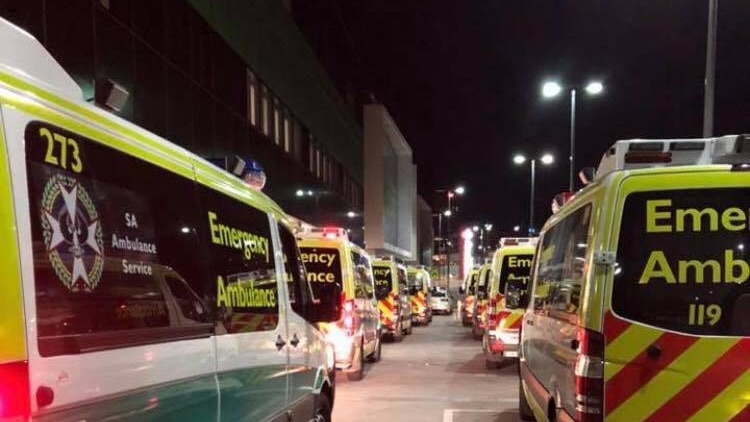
x=340, y=273
x=139, y=281
x=640, y=303
x=508, y=297
x=482, y=301
x=468, y=289
x=392, y=292
x=420, y=292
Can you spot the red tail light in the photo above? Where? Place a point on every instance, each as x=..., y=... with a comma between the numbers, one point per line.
x=589, y=376
x=15, y=404
x=349, y=314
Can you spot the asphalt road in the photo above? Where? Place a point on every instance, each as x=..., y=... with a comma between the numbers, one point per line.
x=435, y=374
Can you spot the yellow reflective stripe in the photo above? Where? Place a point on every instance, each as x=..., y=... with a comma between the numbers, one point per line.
x=12, y=330
x=626, y=347
x=728, y=403
x=511, y=319
x=672, y=379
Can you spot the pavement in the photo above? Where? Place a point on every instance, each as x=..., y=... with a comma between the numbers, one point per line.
x=436, y=374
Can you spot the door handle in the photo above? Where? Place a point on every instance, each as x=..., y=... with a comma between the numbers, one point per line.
x=295, y=340
x=280, y=342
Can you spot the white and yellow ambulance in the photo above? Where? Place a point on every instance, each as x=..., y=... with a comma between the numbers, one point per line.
x=420, y=292
x=508, y=298
x=139, y=281
x=640, y=304
x=340, y=273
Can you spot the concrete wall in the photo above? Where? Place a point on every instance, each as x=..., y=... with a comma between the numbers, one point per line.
x=390, y=187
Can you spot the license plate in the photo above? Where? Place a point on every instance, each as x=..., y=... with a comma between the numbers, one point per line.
x=511, y=354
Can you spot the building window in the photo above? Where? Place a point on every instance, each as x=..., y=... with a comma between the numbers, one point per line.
x=287, y=132
x=252, y=98
x=265, y=109
x=276, y=120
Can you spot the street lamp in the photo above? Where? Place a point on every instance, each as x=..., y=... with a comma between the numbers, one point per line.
x=553, y=89
x=460, y=190
x=519, y=159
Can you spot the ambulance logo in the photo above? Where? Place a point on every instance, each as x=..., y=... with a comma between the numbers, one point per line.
x=72, y=234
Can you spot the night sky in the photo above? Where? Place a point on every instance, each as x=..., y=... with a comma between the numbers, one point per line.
x=462, y=80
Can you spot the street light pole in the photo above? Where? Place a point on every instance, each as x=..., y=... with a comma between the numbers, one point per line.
x=572, y=138
x=708, y=100
x=531, y=200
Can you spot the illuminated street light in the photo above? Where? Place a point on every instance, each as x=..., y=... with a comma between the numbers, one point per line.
x=300, y=192
x=309, y=193
x=447, y=213
x=551, y=89
x=516, y=228
x=545, y=159
x=460, y=190
x=475, y=228
x=594, y=88
x=519, y=159
x=488, y=227
x=351, y=214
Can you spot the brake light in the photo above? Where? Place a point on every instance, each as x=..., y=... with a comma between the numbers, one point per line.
x=349, y=314
x=15, y=403
x=589, y=376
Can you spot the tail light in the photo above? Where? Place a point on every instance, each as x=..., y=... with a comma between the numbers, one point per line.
x=349, y=315
x=589, y=376
x=15, y=404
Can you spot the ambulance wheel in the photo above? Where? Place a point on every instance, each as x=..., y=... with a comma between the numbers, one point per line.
x=398, y=334
x=524, y=409
x=323, y=410
x=377, y=354
x=360, y=372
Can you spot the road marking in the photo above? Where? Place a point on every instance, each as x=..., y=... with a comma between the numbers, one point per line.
x=448, y=413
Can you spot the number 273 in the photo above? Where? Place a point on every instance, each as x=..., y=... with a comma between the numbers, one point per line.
x=66, y=155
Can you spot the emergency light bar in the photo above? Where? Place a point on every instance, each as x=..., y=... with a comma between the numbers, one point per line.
x=326, y=233
x=647, y=153
x=514, y=241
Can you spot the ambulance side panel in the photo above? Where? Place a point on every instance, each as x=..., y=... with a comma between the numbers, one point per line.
x=78, y=370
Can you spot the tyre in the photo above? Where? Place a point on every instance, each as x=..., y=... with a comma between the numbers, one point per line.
x=377, y=354
x=398, y=334
x=360, y=372
x=323, y=409
x=524, y=409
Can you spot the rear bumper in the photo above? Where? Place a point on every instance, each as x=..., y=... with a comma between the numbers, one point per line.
x=500, y=345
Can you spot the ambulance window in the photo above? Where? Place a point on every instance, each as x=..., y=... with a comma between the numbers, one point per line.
x=323, y=267
x=245, y=290
x=683, y=261
x=383, y=281
x=294, y=271
x=514, y=280
x=562, y=265
x=104, y=234
x=402, y=284
x=363, y=282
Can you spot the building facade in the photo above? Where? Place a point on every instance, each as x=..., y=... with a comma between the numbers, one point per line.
x=390, y=187
x=220, y=78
